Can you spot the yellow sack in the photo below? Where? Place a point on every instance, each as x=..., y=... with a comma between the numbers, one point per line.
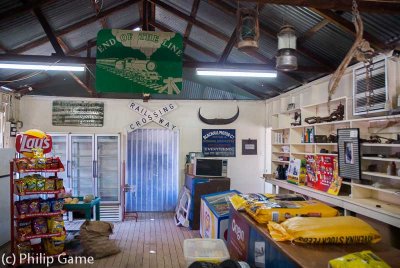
x=337, y=230
x=363, y=259
x=279, y=211
x=241, y=201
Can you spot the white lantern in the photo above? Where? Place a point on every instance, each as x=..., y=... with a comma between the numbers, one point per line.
x=248, y=31
x=286, y=59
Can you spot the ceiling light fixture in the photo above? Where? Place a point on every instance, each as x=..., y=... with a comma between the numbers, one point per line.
x=236, y=72
x=7, y=89
x=42, y=67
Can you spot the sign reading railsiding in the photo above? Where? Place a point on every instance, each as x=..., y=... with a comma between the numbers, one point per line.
x=219, y=142
x=139, y=62
x=78, y=113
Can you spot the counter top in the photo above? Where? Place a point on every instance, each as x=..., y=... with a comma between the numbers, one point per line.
x=308, y=255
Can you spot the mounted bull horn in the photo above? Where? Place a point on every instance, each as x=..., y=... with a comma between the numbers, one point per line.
x=219, y=121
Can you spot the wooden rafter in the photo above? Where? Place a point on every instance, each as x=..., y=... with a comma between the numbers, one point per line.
x=75, y=26
x=347, y=26
x=313, y=30
x=148, y=15
x=97, y=8
x=193, y=13
x=326, y=65
x=47, y=28
x=373, y=6
x=229, y=46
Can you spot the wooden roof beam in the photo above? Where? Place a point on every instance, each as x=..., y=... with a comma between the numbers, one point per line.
x=375, y=6
x=193, y=14
x=229, y=46
x=47, y=28
x=75, y=26
x=347, y=26
x=148, y=15
x=313, y=30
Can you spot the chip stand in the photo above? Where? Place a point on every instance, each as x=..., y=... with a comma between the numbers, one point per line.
x=15, y=217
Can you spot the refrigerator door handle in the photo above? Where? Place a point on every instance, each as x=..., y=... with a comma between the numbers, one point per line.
x=94, y=169
x=68, y=169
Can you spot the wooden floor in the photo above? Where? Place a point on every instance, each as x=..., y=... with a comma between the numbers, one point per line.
x=137, y=239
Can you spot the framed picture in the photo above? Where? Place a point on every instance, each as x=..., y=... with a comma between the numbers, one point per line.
x=349, y=153
x=249, y=147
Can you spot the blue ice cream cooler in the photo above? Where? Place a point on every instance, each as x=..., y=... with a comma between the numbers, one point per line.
x=214, y=215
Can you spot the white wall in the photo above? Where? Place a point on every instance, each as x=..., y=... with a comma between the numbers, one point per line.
x=245, y=171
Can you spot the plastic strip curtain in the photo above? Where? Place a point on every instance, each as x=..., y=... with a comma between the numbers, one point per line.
x=152, y=170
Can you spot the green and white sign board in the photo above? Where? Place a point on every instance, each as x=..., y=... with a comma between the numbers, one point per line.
x=139, y=62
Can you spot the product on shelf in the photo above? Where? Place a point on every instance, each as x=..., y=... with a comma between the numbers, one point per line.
x=338, y=230
x=56, y=204
x=22, y=207
x=59, y=183
x=40, y=184
x=49, y=163
x=40, y=225
x=34, y=206
x=44, y=206
x=55, y=224
x=49, y=184
x=278, y=211
x=24, y=228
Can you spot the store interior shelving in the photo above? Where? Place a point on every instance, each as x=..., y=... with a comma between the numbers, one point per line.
x=376, y=194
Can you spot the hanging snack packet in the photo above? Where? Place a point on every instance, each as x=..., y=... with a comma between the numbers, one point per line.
x=40, y=226
x=55, y=224
x=22, y=207
x=40, y=184
x=57, y=205
x=49, y=184
x=54, y=245
x=44, y=206
x=34, y=206
x=24, y=248
x=24, y=228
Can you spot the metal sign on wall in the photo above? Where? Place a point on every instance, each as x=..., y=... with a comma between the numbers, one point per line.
x=78, y=113
x=219, y=142
x=139, y=62
x=148, y=116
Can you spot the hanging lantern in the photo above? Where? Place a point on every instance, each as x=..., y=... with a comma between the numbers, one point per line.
x=248, y=31
x=286, y=59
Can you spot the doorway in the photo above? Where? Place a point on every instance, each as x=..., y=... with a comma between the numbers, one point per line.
x=152, y=170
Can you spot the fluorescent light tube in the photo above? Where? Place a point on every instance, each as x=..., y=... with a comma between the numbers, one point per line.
x=235, y=72
x=42, y=67
x=7, y=89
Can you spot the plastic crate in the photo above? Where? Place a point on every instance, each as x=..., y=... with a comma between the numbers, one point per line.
x=209, y=250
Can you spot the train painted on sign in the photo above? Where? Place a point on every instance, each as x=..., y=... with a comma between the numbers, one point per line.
x=142, y=69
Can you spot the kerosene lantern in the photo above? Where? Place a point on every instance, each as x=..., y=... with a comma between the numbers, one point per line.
x=286, y=59
x=248, y=31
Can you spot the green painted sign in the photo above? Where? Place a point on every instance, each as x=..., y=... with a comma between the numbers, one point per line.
x=139, y=62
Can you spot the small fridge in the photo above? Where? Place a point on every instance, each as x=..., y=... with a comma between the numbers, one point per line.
x=198, y=186
x=214, y=215
x=6, y=155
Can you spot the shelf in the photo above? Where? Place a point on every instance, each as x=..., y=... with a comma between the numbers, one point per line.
x=326, y=154
x=277, y=144
x=380, y=174
x=39, y=192
x=281, y=129
x=304, y=153
x=281, y=161
x=291, y=111
x=324, y=124
x=324, y=103
x=33, y=236
x=385, y=190
x=303, y=143
x=30, y=216
x=379, y=145
x=376, y=209
x=281, y=152
x=381, y=159
x=378, y=118
x=327, y=144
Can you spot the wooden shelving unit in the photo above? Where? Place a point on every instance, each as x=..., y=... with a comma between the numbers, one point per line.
x=380, y=200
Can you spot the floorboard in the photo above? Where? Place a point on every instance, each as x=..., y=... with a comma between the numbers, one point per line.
x=153, y=241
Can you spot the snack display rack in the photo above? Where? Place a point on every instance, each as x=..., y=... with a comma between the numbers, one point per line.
x=16, y=193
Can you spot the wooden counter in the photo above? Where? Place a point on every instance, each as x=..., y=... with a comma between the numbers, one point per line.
x=307, y=255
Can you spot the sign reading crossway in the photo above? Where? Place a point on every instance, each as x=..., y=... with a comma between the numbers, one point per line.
x=139, y=62
x=148, y=116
